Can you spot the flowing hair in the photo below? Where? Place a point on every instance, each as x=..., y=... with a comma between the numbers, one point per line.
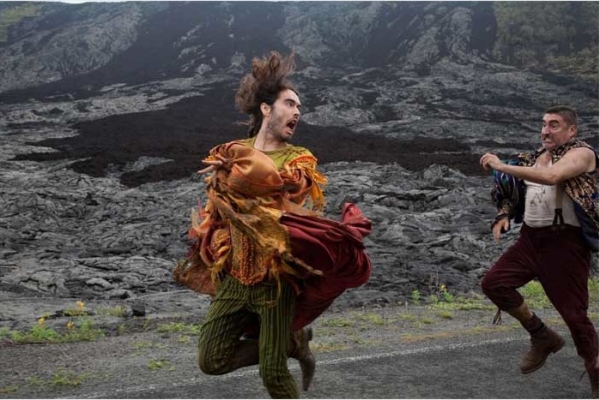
x=263, y=85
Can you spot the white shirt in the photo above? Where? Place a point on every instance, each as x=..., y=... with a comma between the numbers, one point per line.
x=540, y=202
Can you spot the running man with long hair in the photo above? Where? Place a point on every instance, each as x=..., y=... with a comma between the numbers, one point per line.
x=263, y=251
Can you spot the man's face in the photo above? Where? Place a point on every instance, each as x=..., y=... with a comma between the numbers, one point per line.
x=284, y=115
x=556, y=131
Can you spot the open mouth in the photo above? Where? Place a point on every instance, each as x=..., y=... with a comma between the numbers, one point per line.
x=292, y=124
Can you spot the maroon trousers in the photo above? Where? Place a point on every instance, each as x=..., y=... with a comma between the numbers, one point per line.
x=560, y=260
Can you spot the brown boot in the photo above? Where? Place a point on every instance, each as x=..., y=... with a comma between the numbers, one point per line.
x=301, y=352
x=592, y=370
x=542, y=344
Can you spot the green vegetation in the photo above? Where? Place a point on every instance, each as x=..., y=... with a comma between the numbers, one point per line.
x=67, y=378
x=116, y=311
x=13, y=15
x=535, y=296
x=60, y=378
x=441, y=298
x=121, y=330
x=76, y=312
x=372, y=319
x=337, y=322
x=445, y=314
x=82, y=330
x=560, y=36
x=416, y=297
x=156, y=364
x=184, y=339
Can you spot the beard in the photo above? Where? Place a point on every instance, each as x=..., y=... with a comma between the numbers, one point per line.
x=276, y=126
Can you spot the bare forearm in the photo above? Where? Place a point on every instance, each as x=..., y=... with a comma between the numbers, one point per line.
x=575, y=162
x=544, y=176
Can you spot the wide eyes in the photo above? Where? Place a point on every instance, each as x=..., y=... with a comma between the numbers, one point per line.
x=292, y=103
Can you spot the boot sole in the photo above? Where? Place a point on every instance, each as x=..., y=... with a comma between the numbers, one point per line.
x=540, y=365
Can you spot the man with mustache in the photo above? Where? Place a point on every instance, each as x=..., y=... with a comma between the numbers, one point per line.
x=262, y=250
x=554, y=191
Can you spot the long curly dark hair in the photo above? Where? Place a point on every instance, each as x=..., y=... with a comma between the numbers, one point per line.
x=262, y=85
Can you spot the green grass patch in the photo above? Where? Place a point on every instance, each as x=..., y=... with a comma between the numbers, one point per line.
x=460, y=303
x=337, y=322
x=67, y=378
x=416, y=297
x=73, y=312
x=184, y=339
x=37, y=334
x=535, y=296
x=445, y=314
x=60, y=378
x=372, y=318
x=81, y=330
x=156, y=364
x=116, y=311
x=408, y=317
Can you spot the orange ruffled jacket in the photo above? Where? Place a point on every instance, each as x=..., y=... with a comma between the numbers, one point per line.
x=262, y=222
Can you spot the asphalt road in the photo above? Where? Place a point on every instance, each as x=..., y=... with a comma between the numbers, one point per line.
x=486, y=367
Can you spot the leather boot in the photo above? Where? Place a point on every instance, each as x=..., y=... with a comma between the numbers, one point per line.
x=592, y=370
x=542, y=344
x=301, y=352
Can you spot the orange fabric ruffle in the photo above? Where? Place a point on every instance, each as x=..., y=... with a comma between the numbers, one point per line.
x=254, y=227
x=246, y=200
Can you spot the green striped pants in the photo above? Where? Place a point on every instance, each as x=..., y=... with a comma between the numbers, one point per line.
x=220, y=349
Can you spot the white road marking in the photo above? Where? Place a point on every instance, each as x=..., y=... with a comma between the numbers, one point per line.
x=415, y=351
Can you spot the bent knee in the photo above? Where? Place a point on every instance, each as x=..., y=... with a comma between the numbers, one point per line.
x=211, y=368
x=488, y=285
x=209, y=364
